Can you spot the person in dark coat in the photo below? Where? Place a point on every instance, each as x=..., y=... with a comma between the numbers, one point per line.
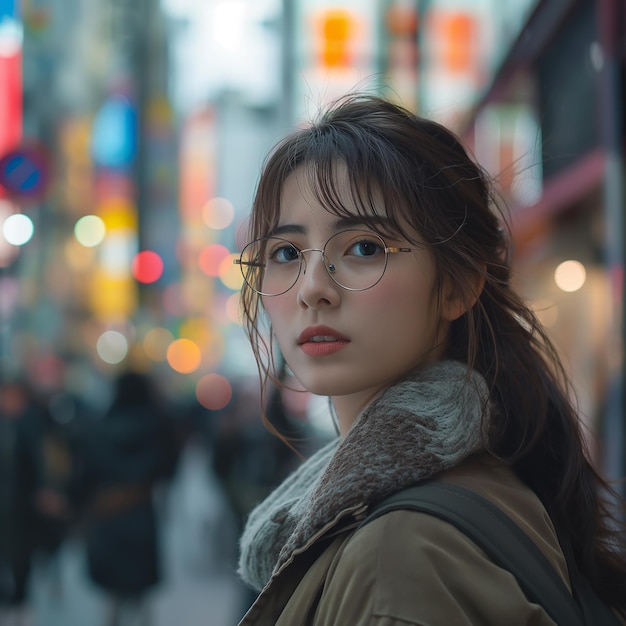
x=127, y=453
x=24, y=496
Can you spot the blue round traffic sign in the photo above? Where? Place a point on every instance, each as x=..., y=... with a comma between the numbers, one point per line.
x=24, y=171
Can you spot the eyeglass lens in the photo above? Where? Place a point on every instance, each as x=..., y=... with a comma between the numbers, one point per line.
x=354, y=259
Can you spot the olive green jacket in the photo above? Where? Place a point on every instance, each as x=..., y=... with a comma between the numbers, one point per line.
x=408, y=569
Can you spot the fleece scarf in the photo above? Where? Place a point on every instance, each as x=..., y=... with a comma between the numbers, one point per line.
x=414, y=430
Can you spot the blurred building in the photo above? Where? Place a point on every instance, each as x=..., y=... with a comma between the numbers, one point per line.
x=94, y=103
x=550, y=125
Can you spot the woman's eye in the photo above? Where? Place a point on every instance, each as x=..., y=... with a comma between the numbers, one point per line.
x=365, y=248
x=284, y=254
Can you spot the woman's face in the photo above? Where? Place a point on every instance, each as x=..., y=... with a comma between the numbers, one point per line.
x=352, y=344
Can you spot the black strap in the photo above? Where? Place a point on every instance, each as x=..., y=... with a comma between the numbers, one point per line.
x=506, y=544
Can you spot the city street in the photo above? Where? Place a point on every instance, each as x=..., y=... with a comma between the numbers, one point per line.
x=169, y=171
x=199, y=587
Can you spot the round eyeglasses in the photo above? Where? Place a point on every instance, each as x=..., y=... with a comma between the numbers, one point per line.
x=354, y=259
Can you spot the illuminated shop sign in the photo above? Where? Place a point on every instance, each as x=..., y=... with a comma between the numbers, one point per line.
x=114, y=138
x=10, y=78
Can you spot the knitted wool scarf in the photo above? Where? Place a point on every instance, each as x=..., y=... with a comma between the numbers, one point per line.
x=414, y=430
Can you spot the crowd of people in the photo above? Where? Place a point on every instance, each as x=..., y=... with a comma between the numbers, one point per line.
x=99, y=477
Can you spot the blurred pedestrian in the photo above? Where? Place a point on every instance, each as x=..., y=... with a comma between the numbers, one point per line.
x=126, y=455
x=54, y=513
x=21, y=492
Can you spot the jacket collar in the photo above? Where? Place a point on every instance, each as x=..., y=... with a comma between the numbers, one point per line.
x=413, y=431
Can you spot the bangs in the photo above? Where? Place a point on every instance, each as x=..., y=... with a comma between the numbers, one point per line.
x=348, y=172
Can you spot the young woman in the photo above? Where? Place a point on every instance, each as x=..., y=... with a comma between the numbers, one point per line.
x=383, y=272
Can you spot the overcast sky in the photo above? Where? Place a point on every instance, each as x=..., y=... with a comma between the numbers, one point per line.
x=225, y=44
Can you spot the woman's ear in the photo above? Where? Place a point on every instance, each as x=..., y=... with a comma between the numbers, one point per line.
x=458, y=298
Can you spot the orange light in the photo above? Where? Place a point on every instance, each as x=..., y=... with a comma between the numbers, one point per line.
x=461, y=33
x=456, y=36
x=184, y=356
x=336, y=28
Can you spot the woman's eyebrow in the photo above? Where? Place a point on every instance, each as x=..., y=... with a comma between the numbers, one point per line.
x=361, y=220
x=287, y=229
x=340, y=223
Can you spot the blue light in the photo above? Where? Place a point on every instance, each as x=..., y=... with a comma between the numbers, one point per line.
x=114, y=135
x=8, y=9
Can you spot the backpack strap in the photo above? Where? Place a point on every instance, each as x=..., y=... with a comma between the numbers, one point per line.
x=505, y=543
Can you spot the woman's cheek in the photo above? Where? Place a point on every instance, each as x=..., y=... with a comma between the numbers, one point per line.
x=276, y=308
x=269, y=304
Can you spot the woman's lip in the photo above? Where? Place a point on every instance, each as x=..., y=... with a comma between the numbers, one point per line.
x=322, y=348
x=321, y=331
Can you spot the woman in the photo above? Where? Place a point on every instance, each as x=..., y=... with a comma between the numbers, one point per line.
x=384, y=275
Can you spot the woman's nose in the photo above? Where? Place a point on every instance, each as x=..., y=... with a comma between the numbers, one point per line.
x=312, y=260
x=315, y=286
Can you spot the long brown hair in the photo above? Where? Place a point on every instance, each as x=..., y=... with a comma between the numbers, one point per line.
x=427, y=180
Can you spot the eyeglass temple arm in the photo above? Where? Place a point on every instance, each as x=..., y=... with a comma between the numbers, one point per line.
x=399, y=249
x=249, y=263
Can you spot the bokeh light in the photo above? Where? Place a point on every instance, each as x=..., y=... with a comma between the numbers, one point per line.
x=118, y=213
x=230, y=274
x=112, y=347
x=147, y=266
x=117, y=252
x=90, y=230
x=218, y=213
x=156, y=342
x=184, y=356
x=18, y=229
x=570, y=275
x=211, y=257
x=214, y=392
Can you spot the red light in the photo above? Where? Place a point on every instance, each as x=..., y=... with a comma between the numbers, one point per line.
x=147, y=266
x=10, y=103
x=211, y=257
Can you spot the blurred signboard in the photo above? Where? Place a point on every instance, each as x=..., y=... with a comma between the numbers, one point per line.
x=10, y=78
x=114, y=134
x=335, y=53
